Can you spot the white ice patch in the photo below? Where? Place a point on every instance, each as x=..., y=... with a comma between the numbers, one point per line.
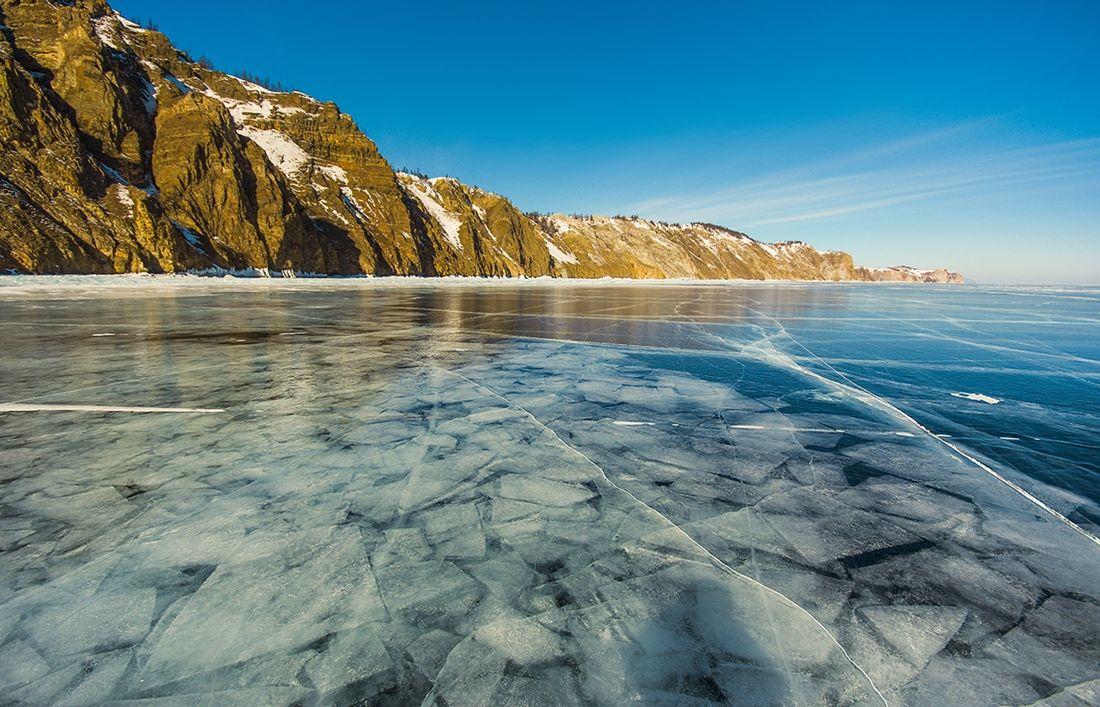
x=20, y=407
x=283, y=152
x=821, y=430
x=632, y=423
x=977, y=397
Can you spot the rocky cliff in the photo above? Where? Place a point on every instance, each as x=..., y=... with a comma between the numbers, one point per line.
x=121, y=154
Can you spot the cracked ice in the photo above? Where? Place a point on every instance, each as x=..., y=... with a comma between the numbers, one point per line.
x=475, y=493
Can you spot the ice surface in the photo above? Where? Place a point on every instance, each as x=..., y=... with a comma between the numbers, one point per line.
x=917, y=632
x=345, y=492
x=977, y=397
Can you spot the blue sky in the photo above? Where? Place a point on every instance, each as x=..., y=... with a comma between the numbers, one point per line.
x=920, y=133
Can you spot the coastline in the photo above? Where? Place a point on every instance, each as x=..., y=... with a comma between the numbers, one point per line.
x=234, y=279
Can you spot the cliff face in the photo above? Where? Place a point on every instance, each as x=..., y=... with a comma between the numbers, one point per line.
x=120, y=154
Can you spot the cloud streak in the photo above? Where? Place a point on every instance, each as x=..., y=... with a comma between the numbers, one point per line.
x=884, y=176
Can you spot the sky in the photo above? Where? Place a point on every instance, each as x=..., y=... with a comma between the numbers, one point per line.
x=926, y=133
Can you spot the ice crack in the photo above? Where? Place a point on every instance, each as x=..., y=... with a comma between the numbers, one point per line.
x=860, y=393
x=718, y=562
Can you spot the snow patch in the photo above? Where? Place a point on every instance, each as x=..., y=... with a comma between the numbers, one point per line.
x=560, y=225
x=712, y=238
x=352, y=204
x=130, y=24
x=283, y=152
x=155, y=70
x=109, y=30
x=915, y=272
x=426, y=194
x=106, y=29
x=252, y=86
x=184, y=88
x=242, y=111
x=559, y=255
x=191, y=237
x=150, y=99
x=333, y=172
x=122, y=194
x=335, y=214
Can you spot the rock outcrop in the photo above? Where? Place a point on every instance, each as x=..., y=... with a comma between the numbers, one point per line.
x=121, y=154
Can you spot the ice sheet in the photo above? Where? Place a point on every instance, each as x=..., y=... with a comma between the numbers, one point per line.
x=476, y=493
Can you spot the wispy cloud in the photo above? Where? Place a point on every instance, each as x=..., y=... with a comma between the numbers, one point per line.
x=925, y=167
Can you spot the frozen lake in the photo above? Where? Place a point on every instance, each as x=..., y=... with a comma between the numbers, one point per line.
x=337, y=492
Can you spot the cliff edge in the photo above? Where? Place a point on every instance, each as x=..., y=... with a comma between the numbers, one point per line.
x=122, y=154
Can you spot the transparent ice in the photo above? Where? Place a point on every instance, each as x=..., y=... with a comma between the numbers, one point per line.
x=486, y=493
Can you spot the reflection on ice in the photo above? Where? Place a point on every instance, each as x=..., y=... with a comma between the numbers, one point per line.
x=475, y=494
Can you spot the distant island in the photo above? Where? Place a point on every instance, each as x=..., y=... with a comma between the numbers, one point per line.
x=122, y=154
